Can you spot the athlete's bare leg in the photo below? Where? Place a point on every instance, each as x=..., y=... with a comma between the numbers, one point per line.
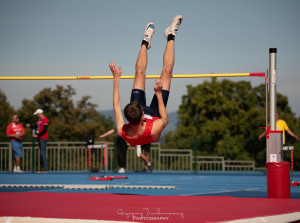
x=141, y=62
x=168, y=64
x=169, y=55
x=140, y=69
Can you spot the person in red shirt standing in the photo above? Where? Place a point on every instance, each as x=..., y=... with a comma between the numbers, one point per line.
x=15, y=131
x=42, y=135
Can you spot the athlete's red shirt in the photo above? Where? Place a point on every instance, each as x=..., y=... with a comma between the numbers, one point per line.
x=40, y=125
x=13, y=128
x=145, y=138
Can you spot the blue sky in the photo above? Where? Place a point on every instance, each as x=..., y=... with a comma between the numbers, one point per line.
x=79, y=38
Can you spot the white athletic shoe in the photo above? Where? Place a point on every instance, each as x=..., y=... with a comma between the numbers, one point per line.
x=15, y=169
x=122, y=170
x=173, y=28
x=19, y=170
x=149, y=31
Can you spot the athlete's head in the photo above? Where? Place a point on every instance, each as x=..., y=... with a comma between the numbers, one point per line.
x=15, y=119
x=133, y=112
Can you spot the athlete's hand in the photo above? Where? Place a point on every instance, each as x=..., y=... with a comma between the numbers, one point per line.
x=17, y=136
x=115, y=71
x=158, y=86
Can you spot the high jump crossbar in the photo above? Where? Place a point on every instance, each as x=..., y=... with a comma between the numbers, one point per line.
x=132, y=77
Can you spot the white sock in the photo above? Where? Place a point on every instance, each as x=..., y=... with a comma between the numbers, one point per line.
x=149, y=164
x=15, y=168
x=138, y=150
x=18, y=168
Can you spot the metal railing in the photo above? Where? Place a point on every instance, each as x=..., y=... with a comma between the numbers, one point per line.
x=175, y=159
x=73, y=156
x=239, y=165
x=210, y=163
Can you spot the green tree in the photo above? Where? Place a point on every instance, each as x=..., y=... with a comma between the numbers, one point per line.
x=285, y=113
x=225, y=117
x=67, y=122
x=6, y=112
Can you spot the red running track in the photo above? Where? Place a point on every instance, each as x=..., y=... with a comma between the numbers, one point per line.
x=100, y=206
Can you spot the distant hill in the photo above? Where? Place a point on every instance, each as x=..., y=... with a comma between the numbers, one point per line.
x=173, y=120
x=170, y=127
x=107, y=113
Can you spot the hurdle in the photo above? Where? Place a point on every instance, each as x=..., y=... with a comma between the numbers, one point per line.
x=102, y=177
x=259, y=74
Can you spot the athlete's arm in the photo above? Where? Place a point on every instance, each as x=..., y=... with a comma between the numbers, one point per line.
x=107, y=133
x=12, y=135
x=160, y=124
x=44, y=131
x=161, y=106
x=116, y=97
x=8, y=134
x=292, y=134
x=261, y=136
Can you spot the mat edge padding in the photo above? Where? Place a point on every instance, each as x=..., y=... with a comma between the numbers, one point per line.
x=290, y=217
x=13, y=219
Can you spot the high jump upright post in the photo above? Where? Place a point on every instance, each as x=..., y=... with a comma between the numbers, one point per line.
x=278, y=172
x=274, y=137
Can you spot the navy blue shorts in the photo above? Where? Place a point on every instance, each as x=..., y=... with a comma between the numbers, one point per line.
x=152, y=110
x=146, y=147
